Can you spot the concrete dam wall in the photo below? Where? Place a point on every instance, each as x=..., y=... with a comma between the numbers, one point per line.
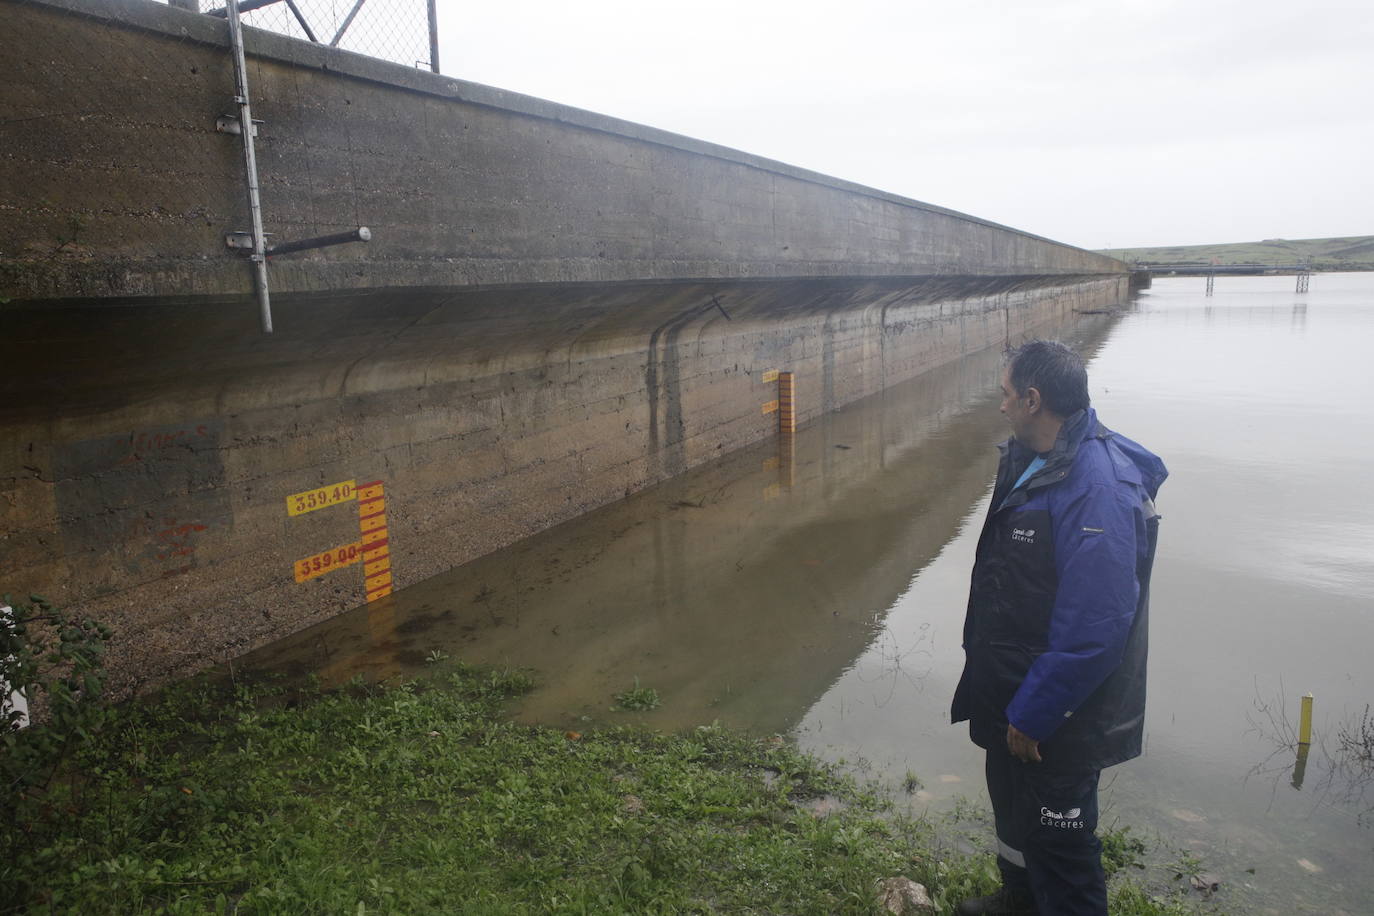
x=557, y=310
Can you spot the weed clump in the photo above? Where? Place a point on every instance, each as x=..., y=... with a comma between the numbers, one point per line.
x=638, y=698
x=1121, y=850
x=56, y=663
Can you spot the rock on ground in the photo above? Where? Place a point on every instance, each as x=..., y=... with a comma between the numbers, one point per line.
x=903, y=897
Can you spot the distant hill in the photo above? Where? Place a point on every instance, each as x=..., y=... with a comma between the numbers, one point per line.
x=1348, y=253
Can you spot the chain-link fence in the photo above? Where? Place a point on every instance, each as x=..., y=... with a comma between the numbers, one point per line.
x=402, y=31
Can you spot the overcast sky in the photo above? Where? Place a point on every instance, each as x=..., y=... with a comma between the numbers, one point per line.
x=1112, y=122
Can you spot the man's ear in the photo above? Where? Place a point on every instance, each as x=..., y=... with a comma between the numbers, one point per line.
x=1033, y=399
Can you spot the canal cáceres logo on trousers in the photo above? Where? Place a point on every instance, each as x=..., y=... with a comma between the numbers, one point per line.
x=1066, y=821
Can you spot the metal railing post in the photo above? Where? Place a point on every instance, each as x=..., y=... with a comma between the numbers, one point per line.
x=433, y=36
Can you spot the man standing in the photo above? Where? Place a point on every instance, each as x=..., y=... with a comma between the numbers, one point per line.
x=1055, y=636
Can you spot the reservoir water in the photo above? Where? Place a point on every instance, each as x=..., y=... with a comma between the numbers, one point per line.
x=817, y=587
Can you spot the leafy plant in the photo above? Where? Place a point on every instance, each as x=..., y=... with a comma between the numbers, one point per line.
x=1121, y=850
x=638, y=698
x=57, y=663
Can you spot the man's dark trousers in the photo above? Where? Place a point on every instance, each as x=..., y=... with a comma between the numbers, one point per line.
x=1047, y=844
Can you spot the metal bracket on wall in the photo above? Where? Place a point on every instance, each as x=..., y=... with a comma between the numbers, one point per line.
x=243, y=241
x=229, y=124
x=254, y=242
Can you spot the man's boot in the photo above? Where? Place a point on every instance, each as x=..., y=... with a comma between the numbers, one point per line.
x=1005, y=902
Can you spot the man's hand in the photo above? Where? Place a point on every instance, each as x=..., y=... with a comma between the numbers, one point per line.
x=1021, y=745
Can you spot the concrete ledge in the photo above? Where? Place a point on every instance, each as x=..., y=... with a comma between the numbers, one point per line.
x=116, y=183
x=168, y=20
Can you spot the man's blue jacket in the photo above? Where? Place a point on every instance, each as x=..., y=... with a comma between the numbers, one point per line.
x=1057, y=624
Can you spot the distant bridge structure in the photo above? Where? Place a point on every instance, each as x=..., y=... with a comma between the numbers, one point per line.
x=1143, y=272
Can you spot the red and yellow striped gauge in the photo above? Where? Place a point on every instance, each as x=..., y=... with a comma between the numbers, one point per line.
x=372, y=549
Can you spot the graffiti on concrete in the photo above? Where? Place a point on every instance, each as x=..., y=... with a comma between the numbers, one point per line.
x=144, y=503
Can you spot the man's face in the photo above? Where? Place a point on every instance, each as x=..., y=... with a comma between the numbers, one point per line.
x=1014, y=408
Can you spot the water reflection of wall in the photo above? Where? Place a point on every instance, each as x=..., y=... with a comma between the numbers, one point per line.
x=739, y=591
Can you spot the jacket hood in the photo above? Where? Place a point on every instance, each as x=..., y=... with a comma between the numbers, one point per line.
x=1151, y=466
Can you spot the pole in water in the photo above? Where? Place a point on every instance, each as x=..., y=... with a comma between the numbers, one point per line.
x=1300, y=766
x=1304, y=742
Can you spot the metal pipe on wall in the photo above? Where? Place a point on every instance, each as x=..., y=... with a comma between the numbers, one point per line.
x=361, y=234
x=250, y=164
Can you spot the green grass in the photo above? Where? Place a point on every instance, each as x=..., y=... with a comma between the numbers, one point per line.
x=1344, y=253
x=424, y=797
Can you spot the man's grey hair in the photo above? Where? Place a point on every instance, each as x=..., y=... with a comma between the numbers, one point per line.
x=1053, y=369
